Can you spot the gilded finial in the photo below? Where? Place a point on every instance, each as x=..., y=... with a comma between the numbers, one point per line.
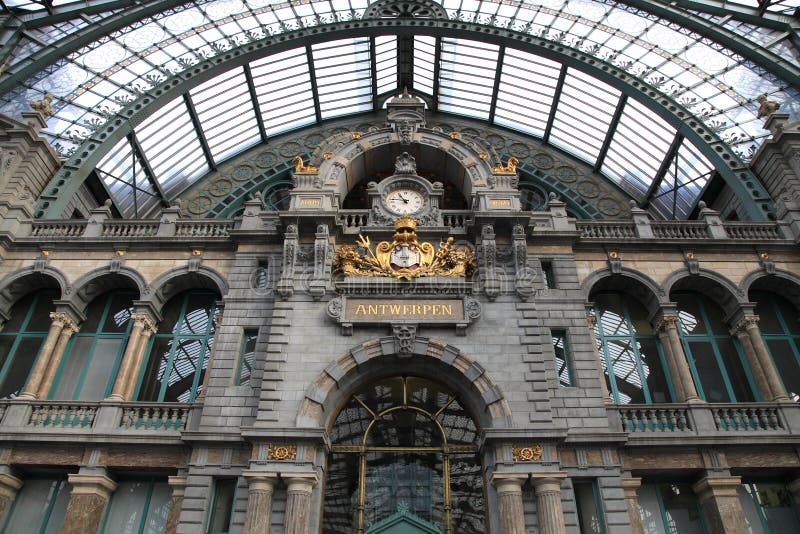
x=510, y=168
x=301, y=168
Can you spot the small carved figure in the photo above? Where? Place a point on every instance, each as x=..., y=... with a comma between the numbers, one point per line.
x=301, y=168
x=405, y=163
x=510, y=168
x=44, y=106
x=767, y=107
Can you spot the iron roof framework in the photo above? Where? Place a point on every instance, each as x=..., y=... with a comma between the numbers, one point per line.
x=356, y=70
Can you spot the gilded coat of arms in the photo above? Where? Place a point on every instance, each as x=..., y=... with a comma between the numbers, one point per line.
x=405, y=257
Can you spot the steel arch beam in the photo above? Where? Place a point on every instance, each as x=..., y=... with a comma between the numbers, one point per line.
x=736, y=174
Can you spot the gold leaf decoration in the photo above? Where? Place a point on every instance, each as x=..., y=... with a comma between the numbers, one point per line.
x=527, y=454
x=281, y=452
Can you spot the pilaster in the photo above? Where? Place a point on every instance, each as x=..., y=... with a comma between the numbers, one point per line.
x=298, y=502
x=547, y=487
x=178, y=485
x=87, y=502
x=630, y=486
x=719, y=500
x=509, y=501
x=9, y=487
x=259, y=501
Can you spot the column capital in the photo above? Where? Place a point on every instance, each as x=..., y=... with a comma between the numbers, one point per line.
x=717, y=486
x=145, y=322
x=99, y=485
x=591, y=319
x=64, y=320
x=261, y=480
x=666, y=322
x=178, y=485
x=547, y=482
x=299, y=482
x=509, y=482
x=631, y=485
x=9, y=485
x=746, y=322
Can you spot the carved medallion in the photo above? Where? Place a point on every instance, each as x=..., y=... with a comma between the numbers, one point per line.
x=527, y=454
x=282, y=452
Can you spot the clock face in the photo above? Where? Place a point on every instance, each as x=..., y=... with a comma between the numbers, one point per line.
x=405, y=201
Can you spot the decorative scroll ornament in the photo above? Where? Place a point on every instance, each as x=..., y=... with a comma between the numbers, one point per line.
x=405, y=257
x=527, y=454
x=302, y=168
x=282, y=452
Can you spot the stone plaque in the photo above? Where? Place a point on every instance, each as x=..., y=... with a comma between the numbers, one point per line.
x=359, y=310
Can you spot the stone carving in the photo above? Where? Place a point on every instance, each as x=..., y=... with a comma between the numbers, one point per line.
x=404, y=337
x=44, y=106
x=523, y=276
x=766, y=107
x=285, y=286
x=321, y=255
x=472, y=307
x=509, y=168
x=282, y=453
x=489, y=248
x=335, y=308
x=532, y=453
x=301, y=168
x=405, y=163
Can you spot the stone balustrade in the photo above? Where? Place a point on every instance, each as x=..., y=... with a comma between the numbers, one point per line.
x=703, y=419
x=154, y=416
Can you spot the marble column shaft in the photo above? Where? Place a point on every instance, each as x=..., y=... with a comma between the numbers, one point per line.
x=259, y=502
x=298, y=504
x=178, y=485
x=41, y=378
x=759, y=377
x=669, y=324
x=87, y=502
x=548, y=504
x=750, y=324
x=509, y=502
x=719, y=500
x=630, y=486
x=131, y=360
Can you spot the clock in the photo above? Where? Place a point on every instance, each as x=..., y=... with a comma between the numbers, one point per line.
x=405, y=201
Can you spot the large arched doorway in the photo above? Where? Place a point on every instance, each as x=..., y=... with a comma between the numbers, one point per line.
x=404, y=454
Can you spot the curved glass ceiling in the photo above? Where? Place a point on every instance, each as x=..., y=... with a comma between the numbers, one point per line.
x=566, y=107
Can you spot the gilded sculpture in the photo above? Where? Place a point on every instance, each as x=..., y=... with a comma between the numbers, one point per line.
x=405, y=257
x=301, y=168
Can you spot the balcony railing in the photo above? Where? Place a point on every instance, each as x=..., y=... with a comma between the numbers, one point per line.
x=707, y=419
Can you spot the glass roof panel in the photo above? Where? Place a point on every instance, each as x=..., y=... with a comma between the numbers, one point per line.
x=583, y=116
x=424, y=58
x=120, y=174
x=172, y=146
x=638, y=148
x=226, y=114
x=687, y=175
x=466, y=77
x=344, y=76
x=285, y=101
x=525, y=95
x=386, y=63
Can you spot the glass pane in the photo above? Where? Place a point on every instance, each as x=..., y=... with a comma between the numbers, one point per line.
x=248, y=356
x=19, y=311
x=224, y=491
x=383, y=395
x=156, y=366
x=40, y=318
x=191, y=357
x=562, y=365
x=71, y=369
x=98, y=374
x=751, y=514
x=626, y=373
x=589, y=519
x=34, y=505
x=654, y=372
x=766, y=310
x=689, y=313
x=428, y=395
x=404, y=481
x=20, y=366
x=736, y=371
x=709, y=372
x=650, y=510
x=681, y=508
x=777, y=506
x=126, y=509
x=59, y=509
x=158, y=511
x=198, y=314
x=612, y=315
x=404, y=428
x=466, y=494
x=119, y=313
x=786, y=363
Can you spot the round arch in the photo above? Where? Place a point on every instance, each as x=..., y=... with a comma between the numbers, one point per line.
x=180, y=279
x=709, y=283
x=19, y=283
x=783, y=283
x=377, y=359
x=629, y=281
x=736, y=174
x=104, y=279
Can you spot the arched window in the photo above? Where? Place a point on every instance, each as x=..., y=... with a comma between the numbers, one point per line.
x=781, y=332
x=180, y=349
x=715, y=357
x=21, y=339
x=404, y=445
x=630, y=352
x=92, y=358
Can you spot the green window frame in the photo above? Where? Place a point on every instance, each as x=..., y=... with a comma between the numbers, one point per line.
x=671, y=500
x=764, y=500
x=57, y=497
x=562, y=358
x=146, y=523
x=247, y=357
x=24, y=342
x=787, y=363
x=715, y=334
x=589, y=507
x=622, y=332
x=223, y=504
x=98, y=329
x=184, y=346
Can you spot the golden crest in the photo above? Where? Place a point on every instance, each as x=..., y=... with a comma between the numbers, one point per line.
x=405, y=257
x=281, y=452
x=527, y=454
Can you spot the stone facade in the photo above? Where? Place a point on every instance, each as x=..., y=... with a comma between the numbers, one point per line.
x=541, y=440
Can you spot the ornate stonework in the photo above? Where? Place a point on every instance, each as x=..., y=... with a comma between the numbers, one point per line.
x=532, y=453
x=282, y=452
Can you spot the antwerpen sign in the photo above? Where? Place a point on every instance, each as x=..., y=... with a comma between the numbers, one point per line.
x=350, y=311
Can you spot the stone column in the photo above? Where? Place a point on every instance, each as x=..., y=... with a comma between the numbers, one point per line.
x=760, y=378
x=679, y=367
x=630, y=486
x=9, y=487
x=259, y=501
x=509, y=501
x=41, y=378
x=719, y=500
x=761, y=355
x=178, y=485
x=87, y=502
x=298, y=502
x=547, y=487
x=592, y=320
x=125, y=382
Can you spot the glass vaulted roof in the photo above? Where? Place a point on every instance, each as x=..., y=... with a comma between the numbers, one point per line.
x=98, y=74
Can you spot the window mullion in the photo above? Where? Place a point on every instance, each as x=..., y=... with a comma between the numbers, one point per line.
x=604, y=345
